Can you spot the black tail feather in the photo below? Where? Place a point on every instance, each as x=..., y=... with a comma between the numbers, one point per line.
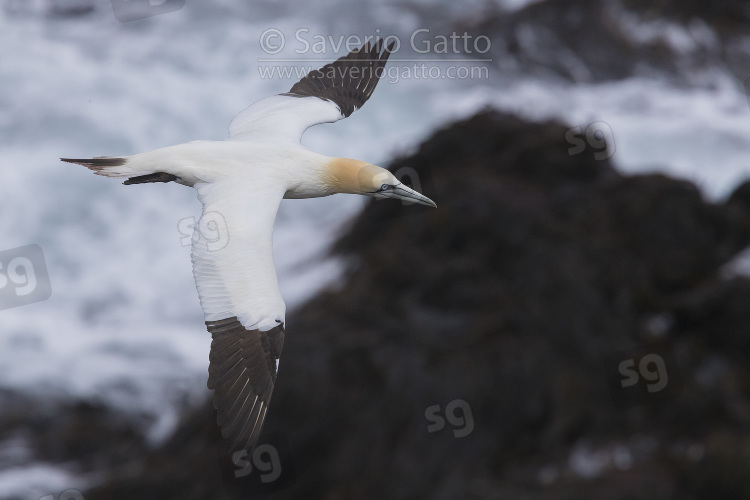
x=97, y=163
x=101, y=165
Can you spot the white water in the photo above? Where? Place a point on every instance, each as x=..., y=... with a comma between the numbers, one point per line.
x=123, y=324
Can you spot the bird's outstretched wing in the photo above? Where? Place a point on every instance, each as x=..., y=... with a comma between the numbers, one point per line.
x=236, y=280
x=325, y=95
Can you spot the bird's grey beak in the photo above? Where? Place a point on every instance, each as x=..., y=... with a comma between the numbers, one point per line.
x=405, y=193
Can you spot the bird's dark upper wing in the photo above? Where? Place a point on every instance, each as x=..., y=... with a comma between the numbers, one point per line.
x=242, y=373
x=325, y=95
x=349, y=81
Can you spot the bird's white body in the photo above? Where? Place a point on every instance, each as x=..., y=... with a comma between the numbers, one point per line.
x=301, y=173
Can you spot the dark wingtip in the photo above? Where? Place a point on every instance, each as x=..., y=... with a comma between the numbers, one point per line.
x=344, y=89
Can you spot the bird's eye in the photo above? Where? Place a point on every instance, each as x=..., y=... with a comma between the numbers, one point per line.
x=384, y=187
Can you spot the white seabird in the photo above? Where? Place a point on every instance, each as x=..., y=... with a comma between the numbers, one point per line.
x=244, y=178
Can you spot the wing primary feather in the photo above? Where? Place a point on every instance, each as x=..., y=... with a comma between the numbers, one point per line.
x=242, y=372
x=349, y=81
x=343, y=86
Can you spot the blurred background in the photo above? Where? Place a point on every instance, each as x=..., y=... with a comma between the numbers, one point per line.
x=571, y=322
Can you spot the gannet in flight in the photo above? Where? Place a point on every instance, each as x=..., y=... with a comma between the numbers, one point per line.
x=244, y=178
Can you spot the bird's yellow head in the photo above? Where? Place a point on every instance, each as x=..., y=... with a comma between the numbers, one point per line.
x=359, y=177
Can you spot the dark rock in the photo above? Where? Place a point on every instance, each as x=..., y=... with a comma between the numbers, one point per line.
x=595, y=41
x=62, y=431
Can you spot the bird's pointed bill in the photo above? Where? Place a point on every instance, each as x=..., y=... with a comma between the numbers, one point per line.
x=405, y=193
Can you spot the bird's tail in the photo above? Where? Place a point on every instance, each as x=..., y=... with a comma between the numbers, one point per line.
x=110, y=166
x=107, y=166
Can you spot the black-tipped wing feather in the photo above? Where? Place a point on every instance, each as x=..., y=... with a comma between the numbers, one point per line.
x=349, y=81
x=242, y=373
x=324, y=95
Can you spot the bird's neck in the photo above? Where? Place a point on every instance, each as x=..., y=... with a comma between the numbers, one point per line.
x=345, y=175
